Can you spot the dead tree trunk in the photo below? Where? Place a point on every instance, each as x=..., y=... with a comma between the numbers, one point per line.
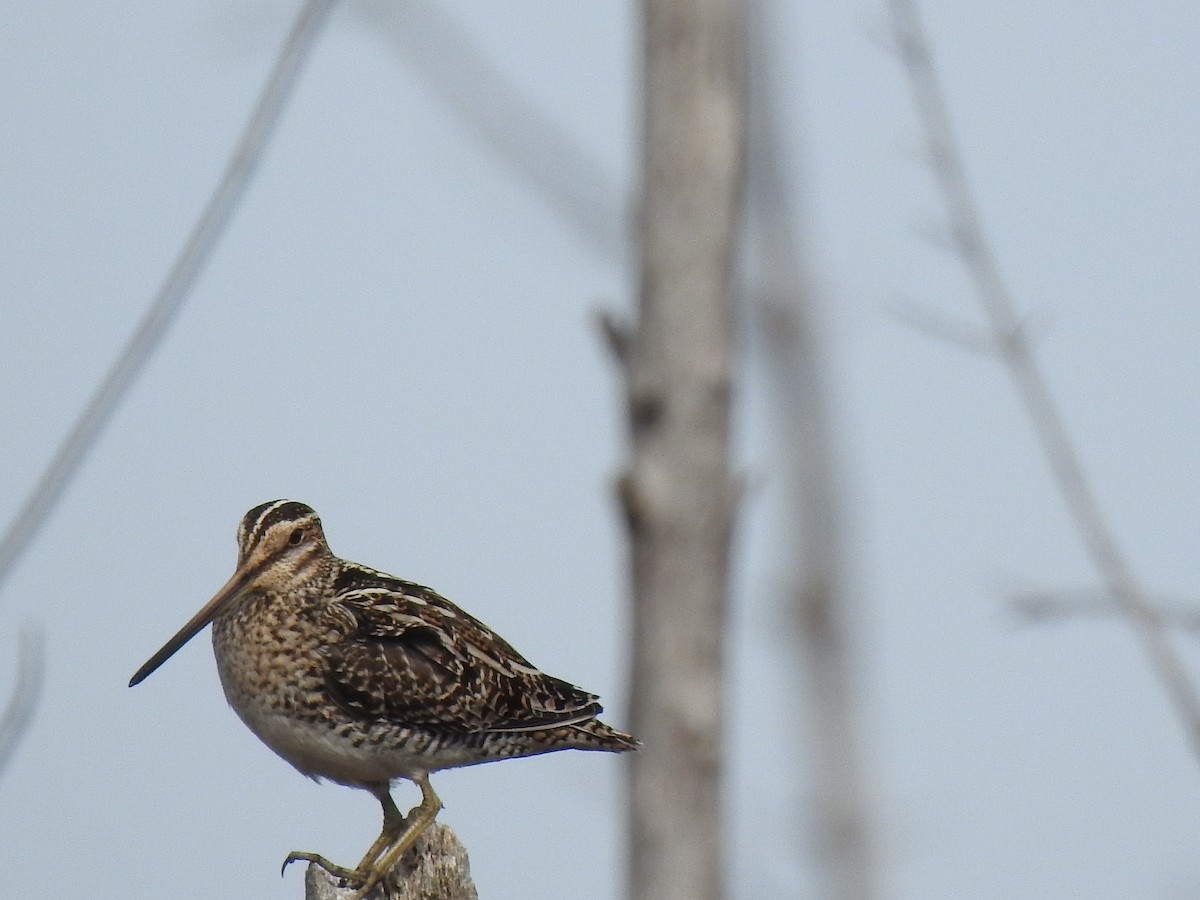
x=678, y=494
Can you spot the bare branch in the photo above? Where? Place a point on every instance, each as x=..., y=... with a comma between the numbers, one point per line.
x=934, y=232
x=940, y=326
x=504, y=119
x=964, y=335
x=1036, y=607
x=26, y=692
x=174, y=290
x=815, y=590
x=976, y=254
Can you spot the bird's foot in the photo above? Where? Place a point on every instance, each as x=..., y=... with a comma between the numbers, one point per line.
x=364, y=879
x=399, y=835
x=350, y=876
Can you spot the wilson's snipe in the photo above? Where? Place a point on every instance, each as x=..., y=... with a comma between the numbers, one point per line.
x=353, y=675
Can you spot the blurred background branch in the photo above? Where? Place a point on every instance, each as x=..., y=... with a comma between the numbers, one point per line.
x=504, y=119
x=169, y=299
x=27, y=690
x=1039, y=606
x=815, y=594
x=974, y=250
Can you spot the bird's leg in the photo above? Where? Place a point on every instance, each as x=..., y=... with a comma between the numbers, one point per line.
x=417, y=820
x=393, y=825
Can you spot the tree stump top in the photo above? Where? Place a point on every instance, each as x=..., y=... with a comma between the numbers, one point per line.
x=436, y=868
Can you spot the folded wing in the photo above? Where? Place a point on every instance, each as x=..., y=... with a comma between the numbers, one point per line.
x=409, y=656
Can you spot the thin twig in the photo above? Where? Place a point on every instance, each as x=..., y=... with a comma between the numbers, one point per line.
x=1016, y=351
x=174, y=291
x=26, y=692
x=942, y=327
x=949, y=329
x=1035, y=607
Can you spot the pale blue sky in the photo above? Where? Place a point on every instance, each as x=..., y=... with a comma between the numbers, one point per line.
x=396, y=331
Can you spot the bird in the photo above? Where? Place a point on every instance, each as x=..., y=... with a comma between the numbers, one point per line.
x=358, y=677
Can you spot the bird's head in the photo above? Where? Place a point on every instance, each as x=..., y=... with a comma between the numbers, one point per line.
x=279, y=545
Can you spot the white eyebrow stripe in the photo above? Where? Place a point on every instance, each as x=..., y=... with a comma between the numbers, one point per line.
x=254, y=535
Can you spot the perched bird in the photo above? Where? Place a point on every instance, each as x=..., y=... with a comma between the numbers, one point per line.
x=355, y=676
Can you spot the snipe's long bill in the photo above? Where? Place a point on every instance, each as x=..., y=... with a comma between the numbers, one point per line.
x=356, y=676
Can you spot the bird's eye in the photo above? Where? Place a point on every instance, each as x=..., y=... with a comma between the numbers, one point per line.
x=297, y=537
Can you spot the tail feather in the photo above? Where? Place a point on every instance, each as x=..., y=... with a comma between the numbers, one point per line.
x=593, y=734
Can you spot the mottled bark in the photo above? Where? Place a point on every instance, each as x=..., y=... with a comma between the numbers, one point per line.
x=678, y=494
x=436, y=868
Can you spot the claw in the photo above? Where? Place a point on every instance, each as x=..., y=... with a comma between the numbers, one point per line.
x=350, y=876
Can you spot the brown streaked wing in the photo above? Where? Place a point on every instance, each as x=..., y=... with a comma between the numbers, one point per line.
x=414, y=658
